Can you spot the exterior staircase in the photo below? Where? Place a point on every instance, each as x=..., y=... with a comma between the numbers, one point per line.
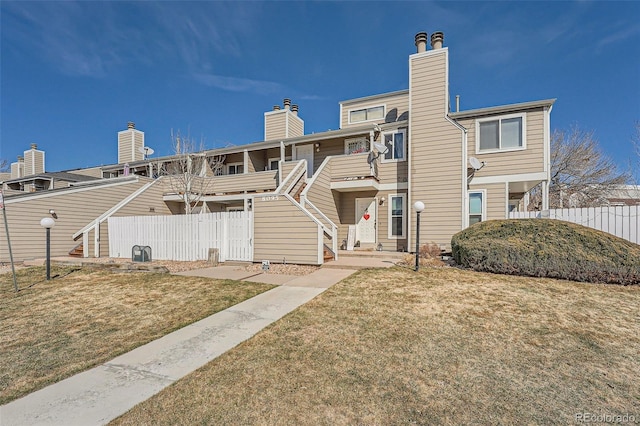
x=77, y=251
x=296, y=196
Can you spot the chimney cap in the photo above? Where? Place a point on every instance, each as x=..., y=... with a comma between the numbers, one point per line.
x=34, y=146
x=436, y=39
x=421, y=42
x=287, y=103
x=294, y=108
x=276, y=107
x=131, y=125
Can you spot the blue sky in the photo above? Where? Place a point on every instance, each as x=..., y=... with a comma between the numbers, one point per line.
x=74, y=73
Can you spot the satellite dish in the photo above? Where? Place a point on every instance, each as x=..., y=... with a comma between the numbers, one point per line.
x=380, y=147
x=475, y=163
x=146, y=151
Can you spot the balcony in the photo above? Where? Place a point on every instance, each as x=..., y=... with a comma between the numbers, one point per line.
x=225, y=184
x=352, y=173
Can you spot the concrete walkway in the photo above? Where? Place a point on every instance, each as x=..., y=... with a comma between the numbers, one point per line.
x=103, y=393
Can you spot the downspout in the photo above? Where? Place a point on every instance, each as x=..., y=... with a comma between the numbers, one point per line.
x=282, y=159
x=465, y=192
x=547, y=157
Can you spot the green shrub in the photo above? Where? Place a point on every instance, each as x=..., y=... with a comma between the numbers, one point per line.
x=547, y=248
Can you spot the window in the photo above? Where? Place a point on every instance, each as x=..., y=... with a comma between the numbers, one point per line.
x=397, y=215
x=395, y=143
x=273, y=163
x=366, y=114
x=235, y=169
x=476, y=207
x=356, y=146
x=502, y=134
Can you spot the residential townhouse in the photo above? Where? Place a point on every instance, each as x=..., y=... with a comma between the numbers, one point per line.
x=312, y=195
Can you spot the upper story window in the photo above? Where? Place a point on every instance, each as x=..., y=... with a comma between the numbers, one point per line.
x=366, y=114
x=506, y=133
x=396, y=146
x=235, y=169
x=273, y=163
x=356, y=146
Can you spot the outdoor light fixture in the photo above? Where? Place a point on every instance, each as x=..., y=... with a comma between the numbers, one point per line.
x=418, y=206
x=48, y=223
x=53, y=213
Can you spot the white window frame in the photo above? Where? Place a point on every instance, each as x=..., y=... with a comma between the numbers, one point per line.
x=362, y=140
x=366, y=109
x=522, y=116
x=271, y=160
x=483, y=213
x=390, y=217
x=236, y=167
x=404, y=148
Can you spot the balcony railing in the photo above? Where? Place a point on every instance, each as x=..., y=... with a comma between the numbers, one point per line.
x=224, y=184
x=354, y=166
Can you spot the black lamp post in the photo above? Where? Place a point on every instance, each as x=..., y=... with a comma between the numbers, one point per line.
x=48, y=223
x=418, y=206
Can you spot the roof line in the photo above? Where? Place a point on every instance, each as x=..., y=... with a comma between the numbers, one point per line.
x=502, y=108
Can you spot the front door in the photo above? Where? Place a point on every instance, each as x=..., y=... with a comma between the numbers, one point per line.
x=306, y=152
x=366, y=220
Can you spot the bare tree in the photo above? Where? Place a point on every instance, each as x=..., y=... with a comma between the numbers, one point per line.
x=191, y=172
x=581, y=174
x=4, y=166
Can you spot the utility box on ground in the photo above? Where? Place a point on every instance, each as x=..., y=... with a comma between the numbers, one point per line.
x=214, y=256
x=141, y=254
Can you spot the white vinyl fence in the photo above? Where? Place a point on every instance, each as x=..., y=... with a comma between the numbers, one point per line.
x=184, y=237
x=621, y=221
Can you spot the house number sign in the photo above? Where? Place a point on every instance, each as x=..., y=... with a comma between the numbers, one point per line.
x=270, y=198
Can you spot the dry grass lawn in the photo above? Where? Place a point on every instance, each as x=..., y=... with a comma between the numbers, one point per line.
x=51, y=330
x=442, y=346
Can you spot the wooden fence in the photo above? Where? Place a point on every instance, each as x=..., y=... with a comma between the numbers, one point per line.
x=184, y=237
x=621, y=221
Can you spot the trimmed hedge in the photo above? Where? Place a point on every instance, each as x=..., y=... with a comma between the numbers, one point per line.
x=547, y=248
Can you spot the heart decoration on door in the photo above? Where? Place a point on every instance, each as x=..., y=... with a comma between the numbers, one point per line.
x=366, y=216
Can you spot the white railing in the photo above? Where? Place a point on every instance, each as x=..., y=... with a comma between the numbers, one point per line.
x=621, y=221
x=184, y=237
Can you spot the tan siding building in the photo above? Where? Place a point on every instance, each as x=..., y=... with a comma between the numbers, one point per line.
x=74, y=208
x=307, y=191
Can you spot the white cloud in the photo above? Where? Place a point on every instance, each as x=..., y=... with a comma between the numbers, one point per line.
x=235, y=84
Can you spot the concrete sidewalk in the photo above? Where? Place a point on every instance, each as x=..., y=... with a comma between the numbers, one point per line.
x=103, y=393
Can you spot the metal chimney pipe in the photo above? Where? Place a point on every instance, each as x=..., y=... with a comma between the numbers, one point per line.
x=421, y=42
x=34, y=146
x=294, y=109
x=436, y=40
x=131, y=125
x=276, y=107
x=287, y=103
